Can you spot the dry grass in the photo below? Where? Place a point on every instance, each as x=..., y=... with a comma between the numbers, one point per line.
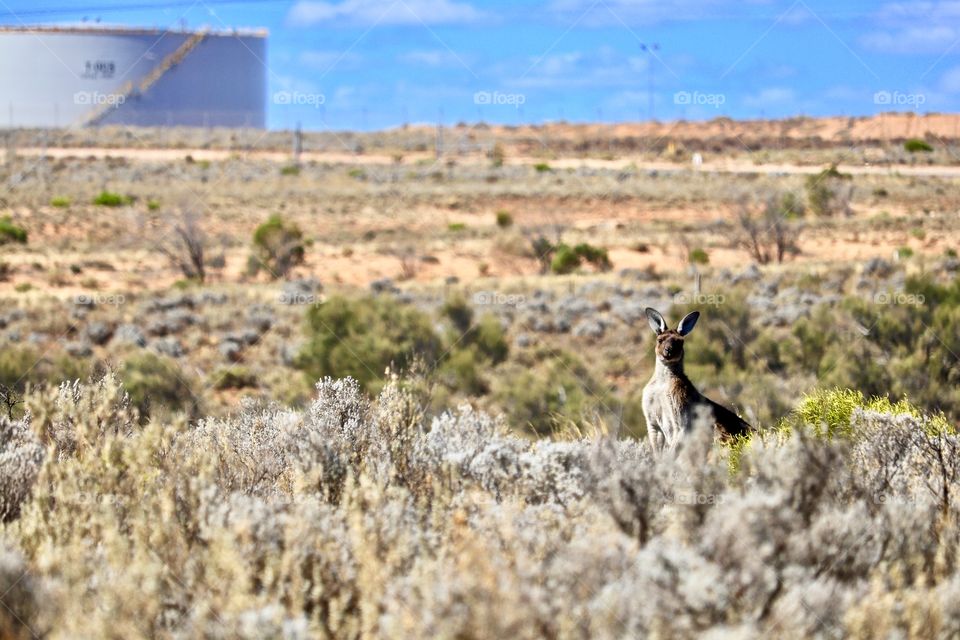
x=357, y=519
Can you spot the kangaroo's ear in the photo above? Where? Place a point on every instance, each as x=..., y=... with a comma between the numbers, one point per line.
x=657, y=323
x=686, y=325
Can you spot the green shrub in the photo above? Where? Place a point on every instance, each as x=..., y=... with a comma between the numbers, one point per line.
x=460, y=371
x=110, y=199
x=791, y=206
x=488, y=336
x=504, y=219
x=459, y=312
x=20, y=366
x=915, y=145
x=828, y=411
x=904, y=253
x=278, y=246
x=153, y=205
x=543, y=251
x=156, y=384
x=357, y=173
x=547, y=396
x=234, y=378
x=698, y=256
x=828, y=192
x=10, y=232
x=290, y=170
x=456, y=227
x=596, y=256
x=61, y=202
x=361, y=338
x=565, y=260
x=542, y=167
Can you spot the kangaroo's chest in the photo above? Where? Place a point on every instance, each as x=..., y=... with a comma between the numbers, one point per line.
x=664, y=400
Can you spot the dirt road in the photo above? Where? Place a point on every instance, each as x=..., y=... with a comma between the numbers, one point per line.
x=714, y=166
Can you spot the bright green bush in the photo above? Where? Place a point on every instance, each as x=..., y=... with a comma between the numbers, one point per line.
x=828, y=411
x=698, y=256
x=61, y=202
x=565, y=260
x=278, y=247
x=915, y=145
x=110, y=199
x=10, y=232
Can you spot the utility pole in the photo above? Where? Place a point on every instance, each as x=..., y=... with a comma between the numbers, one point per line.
x=440, y=135
x=297, y=144
x=652, y=51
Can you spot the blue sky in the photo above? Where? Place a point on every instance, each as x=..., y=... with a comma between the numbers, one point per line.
x=365, y=64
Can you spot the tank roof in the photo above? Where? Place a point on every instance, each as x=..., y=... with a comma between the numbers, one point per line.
x=105, y=29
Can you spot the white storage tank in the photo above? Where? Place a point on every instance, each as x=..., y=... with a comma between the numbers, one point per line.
x=88, y=76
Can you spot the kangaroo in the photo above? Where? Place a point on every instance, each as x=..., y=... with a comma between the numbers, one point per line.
x=670, y=401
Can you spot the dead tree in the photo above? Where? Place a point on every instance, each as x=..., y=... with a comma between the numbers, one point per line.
x=768, y=232
x=186, y=247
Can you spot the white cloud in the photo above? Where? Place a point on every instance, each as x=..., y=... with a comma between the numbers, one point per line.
x=770, y=97
x=932, y=39
x=327, y=60
x=434, y=58
x=628, y=11
x=389, y=12
x=950, y=80
x=915, y=27
x=603, y=67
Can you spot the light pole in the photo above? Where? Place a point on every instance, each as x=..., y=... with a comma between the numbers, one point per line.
x=650, y=49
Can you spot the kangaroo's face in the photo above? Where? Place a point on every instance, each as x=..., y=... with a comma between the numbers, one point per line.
x=669, y=348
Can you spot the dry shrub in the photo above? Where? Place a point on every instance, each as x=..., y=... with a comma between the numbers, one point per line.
x=361, y=519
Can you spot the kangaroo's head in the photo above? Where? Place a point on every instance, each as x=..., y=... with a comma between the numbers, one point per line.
x=669, y=347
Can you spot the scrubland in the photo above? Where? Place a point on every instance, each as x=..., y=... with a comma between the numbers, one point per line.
x=402, y=398
x=358, y=518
